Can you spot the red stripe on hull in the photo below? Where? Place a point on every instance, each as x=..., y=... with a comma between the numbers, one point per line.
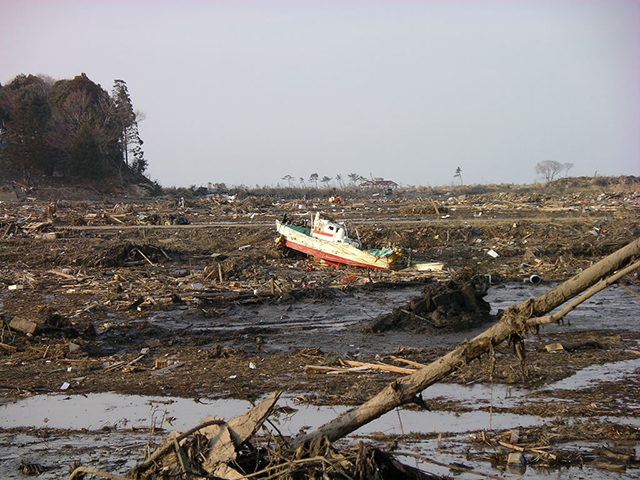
x=318, y=232
x=328, y=257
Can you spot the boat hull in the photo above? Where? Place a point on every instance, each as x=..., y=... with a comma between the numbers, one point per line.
x=332, y=252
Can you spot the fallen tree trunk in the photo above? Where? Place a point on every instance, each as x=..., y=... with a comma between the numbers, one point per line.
x=513, y=322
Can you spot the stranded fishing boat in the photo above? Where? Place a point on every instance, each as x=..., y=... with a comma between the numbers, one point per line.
x=329, y=241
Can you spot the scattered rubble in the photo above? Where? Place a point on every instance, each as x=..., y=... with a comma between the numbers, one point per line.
x=114, y=275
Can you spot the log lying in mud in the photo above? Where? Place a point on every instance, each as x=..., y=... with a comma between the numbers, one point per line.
x=514, y=323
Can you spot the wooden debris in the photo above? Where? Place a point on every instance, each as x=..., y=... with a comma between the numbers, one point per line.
x=381, y=366
x=221, y=449
x=554, y=347
x=407, y=361
x=514, y=321
x=9, y=348
x=357, y=367
x=66, y=275
x=168, y=368
x=629, y=290
x=542, y=450
x=81, y=471
x=333, y=370
x=516, y=458
x=145, y=257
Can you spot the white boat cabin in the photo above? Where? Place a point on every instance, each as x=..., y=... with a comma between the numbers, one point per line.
x=331, y=231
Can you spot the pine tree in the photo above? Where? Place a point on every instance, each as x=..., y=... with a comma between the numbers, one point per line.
x=127, y=119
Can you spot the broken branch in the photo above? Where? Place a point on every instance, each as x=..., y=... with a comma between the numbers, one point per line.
x=601, y=285
x=513, y=321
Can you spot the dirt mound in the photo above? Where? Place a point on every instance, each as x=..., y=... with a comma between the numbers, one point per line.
x=18, y=185
x=441, y=307
x=596, y=182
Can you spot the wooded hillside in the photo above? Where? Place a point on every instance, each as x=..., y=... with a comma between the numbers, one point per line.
x=69, y=128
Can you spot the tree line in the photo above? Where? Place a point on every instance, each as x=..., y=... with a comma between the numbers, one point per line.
x=69, y=127
x=314, y=178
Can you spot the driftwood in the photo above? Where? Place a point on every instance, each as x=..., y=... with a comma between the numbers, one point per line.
x=334, y=370
x=380, y=366
x=514, y=323
x=223, y=441
x=357, y=367
x=80, y=472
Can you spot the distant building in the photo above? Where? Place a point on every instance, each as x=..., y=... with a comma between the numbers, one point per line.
x=378, y=183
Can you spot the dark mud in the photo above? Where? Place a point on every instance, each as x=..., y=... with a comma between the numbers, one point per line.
x=130, y=317
x=604, y=387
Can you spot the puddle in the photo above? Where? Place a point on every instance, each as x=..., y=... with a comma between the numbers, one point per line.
x=120, y=448
x=115, y=449
x=95, y=411
x=418, y=454
x=594, y=374
x=56, y=452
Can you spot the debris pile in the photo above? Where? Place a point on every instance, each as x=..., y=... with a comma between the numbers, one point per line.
x=441, y=306
x=542, y=447
x=26, y=227
x=232, y=449
x=189, y=297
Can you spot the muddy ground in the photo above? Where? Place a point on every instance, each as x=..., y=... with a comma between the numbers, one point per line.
x=191, y=299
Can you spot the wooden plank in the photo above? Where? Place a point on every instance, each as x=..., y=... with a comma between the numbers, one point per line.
x=381, y=366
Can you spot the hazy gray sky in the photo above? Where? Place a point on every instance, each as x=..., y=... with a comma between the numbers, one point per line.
x=246, y=92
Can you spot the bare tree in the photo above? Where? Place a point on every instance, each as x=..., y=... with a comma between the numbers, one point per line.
x=566, y=167
x=549, y=169
x=80, y=109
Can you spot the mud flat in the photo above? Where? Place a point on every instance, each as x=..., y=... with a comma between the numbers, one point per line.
x=110, y=324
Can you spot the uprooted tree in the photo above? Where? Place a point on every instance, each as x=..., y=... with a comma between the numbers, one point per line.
x=513, y=324
x=221, y=449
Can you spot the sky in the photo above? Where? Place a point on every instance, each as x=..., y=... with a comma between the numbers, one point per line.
x=247, y=92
